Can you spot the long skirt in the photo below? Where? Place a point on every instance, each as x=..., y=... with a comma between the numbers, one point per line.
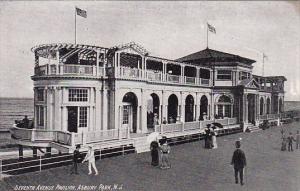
x=154, y=156
x=214, y=142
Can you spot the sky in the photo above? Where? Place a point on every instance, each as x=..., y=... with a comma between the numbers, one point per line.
x=169, y=29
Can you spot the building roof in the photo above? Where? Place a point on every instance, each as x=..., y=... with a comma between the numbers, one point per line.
x=48, y=50
x=207, y=54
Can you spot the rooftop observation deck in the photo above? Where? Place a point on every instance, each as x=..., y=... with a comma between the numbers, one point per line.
x=73, y=61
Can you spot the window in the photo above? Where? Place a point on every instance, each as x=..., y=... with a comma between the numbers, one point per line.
x=40, y=94
x=125, y=114
x=78, y=95
x=82, y=116
x=244, y=75
x=224, y=75
x=224, y=107
x=40, y=115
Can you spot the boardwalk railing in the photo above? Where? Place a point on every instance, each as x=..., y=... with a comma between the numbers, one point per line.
x=194, y=125
x=68, y=138
x=15, y=166
x=269, y=116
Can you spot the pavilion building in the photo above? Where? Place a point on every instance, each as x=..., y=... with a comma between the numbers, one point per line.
x=89, y=94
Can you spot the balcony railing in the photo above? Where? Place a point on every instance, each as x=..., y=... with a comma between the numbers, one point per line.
x=69, y=69
x=269, y=116
x=195, y=125
x=154, y=75
x=173, y=78
x=131, y=73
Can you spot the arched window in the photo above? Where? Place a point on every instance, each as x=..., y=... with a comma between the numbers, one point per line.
x=224, y=107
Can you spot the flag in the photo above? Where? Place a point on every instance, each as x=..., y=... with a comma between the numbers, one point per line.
x=81, y=12
x=265, y=56
x=211, y=28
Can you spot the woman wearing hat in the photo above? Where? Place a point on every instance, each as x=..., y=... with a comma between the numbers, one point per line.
x=91, y=158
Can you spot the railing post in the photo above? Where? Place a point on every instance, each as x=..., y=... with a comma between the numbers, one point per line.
x=183, y=126
x=228, y=121
x=40, y=163
x=123, y=151
x=0, y=169
x=119, y=134
x=33, y=135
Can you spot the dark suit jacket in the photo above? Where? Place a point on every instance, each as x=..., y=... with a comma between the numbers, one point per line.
x=238, y=159
x=76, y=156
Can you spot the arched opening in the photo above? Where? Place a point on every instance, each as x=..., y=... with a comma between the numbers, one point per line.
x=280, y=105
x=172, y=108
x=152, y=111
x=261, y=106
x=130, y=104
x=268, y=105
x=189, y=108
x=203, y=108
x=224, y=107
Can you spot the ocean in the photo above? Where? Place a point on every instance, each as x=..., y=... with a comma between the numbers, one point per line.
x=12, y=109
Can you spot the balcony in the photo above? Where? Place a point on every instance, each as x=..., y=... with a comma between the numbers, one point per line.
x=68, y=69
x=158, y=76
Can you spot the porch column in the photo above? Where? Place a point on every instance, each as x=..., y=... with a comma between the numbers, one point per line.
x=57, y=63
x=98, y=110
x=182, y=73
x=138, y=128
x=197, y=75
x=58, y=101
x=97, y=62
x=104, y=63
x=143, y=112
x=278, y=100
x=104, y=109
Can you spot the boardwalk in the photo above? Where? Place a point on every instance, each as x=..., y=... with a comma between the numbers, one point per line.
x=193, y=168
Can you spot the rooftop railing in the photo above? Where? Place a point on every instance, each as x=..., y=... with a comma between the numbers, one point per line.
x=122, y=72
x=68, y=69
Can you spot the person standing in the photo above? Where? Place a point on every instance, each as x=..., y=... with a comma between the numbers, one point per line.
x=297, y=140
x=76, y=157
x=290, y=140
x=154, y=153
x=25, y=122
x=283, y=144
x=165, y=151
x=207, y=137
x=90, y=157
x=214, y=139
x=239, y=162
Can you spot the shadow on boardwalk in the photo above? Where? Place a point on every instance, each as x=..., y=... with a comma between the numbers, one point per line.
x=193, y=168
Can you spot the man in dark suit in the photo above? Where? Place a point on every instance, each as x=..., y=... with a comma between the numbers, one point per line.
x=76, y=157
x=239, y=162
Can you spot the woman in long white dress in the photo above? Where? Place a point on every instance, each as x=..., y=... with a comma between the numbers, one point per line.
x=214, y=139
x=90, y=157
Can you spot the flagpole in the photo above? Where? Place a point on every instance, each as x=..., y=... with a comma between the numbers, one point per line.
x=206, y=35
x=75, y=25
x=263, y=66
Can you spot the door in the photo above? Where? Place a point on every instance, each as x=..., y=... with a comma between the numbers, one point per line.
x=72, y=119
x=126, y=121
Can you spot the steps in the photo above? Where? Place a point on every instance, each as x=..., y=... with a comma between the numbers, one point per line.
x=141, y=145
x=252, y=128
